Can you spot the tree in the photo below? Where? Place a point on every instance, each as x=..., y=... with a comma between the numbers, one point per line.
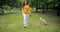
x=8, y=4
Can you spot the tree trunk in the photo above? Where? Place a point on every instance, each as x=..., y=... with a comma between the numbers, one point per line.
x=36, y=5
x=54, y=5
x=43, y=9
x=57, y=12
x=47, y=6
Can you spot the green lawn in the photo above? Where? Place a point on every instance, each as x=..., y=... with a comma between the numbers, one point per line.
x=13, y=22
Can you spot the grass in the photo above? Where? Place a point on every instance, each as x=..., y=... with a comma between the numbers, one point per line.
x=13, y=22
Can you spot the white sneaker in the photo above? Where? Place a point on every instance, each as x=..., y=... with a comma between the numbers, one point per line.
x=25, y=25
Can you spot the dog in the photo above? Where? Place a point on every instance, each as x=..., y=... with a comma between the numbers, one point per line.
x=43, y=21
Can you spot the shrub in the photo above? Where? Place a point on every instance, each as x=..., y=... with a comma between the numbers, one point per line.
x=6, y=7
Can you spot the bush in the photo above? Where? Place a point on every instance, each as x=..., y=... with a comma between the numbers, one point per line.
x=6, y=7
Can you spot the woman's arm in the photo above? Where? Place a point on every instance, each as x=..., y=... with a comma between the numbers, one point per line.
x=29, y=12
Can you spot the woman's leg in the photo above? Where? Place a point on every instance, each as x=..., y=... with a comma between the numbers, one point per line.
x=25, y=19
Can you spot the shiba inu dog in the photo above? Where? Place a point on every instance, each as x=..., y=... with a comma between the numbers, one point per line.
x=43, y=21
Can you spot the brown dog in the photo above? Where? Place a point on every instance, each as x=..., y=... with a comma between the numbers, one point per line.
x=43, y=21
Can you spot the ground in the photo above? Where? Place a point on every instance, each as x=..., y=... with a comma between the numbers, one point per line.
x=13, y=22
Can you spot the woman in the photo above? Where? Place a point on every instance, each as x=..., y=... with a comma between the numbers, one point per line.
x=25, y=11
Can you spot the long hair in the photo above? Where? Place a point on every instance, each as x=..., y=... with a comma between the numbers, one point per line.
x=24, y=3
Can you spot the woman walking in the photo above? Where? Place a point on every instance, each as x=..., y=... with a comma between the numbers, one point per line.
x=25, y=12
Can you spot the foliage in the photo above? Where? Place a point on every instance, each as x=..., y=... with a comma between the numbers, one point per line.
x=6, y=7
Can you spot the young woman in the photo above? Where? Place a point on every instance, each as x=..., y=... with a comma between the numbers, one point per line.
x=25, y=12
